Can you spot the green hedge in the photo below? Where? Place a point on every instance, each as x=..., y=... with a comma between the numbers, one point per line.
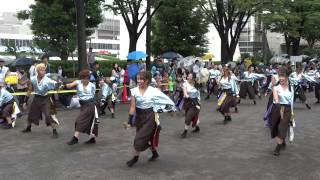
x=69, y=66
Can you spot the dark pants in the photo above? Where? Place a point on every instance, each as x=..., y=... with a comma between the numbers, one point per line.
x=280, y=123
x=247, y=88
x=299, y=93
x=317, y=91
x=211, y=84
x=22, y=98
x=107, y=103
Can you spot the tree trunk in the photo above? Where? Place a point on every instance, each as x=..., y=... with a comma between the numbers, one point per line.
x=295, y=46
x=64, y=55
x=133, y=42
x=287, y=40
x=224, y=47
x=311, y=43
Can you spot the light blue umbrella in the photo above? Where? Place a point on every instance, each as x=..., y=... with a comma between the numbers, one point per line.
x=137, y=55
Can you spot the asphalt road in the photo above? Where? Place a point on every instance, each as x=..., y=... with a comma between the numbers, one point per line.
x=239, y=150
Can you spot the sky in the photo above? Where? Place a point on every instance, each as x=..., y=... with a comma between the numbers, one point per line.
x=14, y=5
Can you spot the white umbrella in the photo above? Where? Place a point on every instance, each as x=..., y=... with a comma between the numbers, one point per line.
x=279, y=59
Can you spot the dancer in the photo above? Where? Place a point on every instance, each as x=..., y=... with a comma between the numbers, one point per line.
x=281, y=111
x=6, y=106
x=178, y=95
x=274, y=82
x=106, y=99
x=297, y=78
x=41, y=84
x=214, y=76
x=247, y=84
x=228, y=94
x=87, y=120
x=191, y=105
x=145, y=102
x=317, y=87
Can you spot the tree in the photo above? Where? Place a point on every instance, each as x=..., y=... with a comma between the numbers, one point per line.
x=295, y=20
x=312, y=29
x=133, y=13
x=179, y=26
x=229, y=17
x=54, y=23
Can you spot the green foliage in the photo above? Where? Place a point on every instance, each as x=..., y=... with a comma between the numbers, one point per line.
x=295, y=19
x=179, y=26
x=312, y=52
x=54, y=23
x=312, y=29
x=245, y=56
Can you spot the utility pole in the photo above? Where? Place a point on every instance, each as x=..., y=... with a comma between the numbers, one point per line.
x=81, y=34
x=148, y=36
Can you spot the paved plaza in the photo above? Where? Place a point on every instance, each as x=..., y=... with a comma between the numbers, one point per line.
x=239, y=150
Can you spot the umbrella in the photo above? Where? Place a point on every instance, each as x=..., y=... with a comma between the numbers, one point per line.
x=171, y=55
x=187, y=62
x=232, y=64
x=133, y=70
x=137, y=55
x=208, y=56
x=22, y=62
x=279, y=59
x=6, y=60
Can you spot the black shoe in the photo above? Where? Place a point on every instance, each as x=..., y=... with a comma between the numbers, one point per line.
x=102, y=113
x=73, y=141
x=196, y=130
x=112, y=115
x=184, y=134
x=229, y=118
x=307, y=105
x=91, y=141
x=207, y=97
x=254, y=102
x=277, y=150
x=55, y=133
x=154, y=156
x=236, y=110
x=239, y=101
x=27, y=130
x=8, y=126
x=225, y=121
x=132, y=161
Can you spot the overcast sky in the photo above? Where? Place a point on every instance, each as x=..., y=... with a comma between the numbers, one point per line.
x=14, y=5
